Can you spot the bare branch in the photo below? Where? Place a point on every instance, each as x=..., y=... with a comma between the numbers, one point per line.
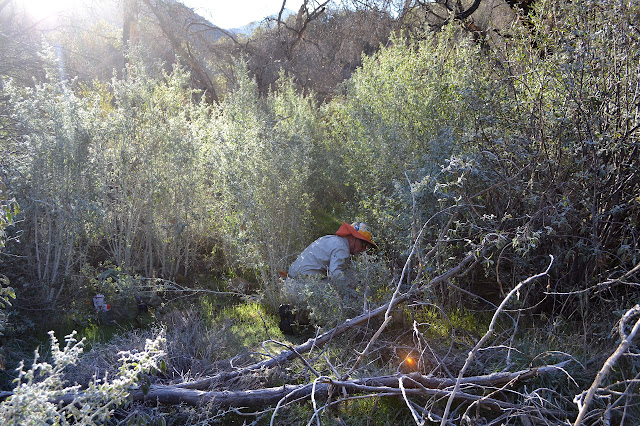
x=216, y=28
x=184, y=54
x=414, y=384
x=287, y=356
x=489, y=332
x=622, y=348
x=284, y=4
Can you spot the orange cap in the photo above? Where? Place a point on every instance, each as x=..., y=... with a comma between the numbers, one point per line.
x=346, y=229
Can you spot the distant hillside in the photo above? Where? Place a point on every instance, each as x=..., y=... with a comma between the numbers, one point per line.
x=247, y=29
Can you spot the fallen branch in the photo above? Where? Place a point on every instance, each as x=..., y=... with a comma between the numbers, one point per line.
x=287, y=356
x=470, y=390
x=622, y=348
x=414, y=384
x=489, y=332
x=290, y=355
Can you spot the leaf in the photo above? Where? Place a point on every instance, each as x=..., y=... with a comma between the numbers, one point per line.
x=146, y=385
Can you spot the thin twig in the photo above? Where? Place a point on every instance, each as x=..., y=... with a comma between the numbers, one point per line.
x=419, y=421
x=605, y=283
x=489, y=332
x=303, y=359
x=316, y=412
x=609, y=363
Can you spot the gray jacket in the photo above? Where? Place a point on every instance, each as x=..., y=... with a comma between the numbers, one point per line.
x=326, y=256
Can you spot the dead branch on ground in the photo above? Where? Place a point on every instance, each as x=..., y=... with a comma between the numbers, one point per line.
x=287, y=356
x=584, y=401
x=415, y=384
x=484, y=391
x=489, y=332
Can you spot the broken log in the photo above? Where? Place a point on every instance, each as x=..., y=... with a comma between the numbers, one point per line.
x=415, y=384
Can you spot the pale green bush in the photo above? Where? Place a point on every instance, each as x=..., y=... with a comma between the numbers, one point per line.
x=109, y=168
x=560, y=152
x=364, y=286
x=532, y=145
x=257, y=155
x=42, y=397
x=150, y=175
x=409, y=107
x=52, y=178
x=139, y=171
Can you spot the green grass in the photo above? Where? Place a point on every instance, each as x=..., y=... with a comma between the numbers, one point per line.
x=435, y=324
x=247, y=325
x=384, y=411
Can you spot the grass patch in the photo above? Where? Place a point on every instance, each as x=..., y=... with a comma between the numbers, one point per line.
x=247, y=325
x=435, y=323
x=363, y=411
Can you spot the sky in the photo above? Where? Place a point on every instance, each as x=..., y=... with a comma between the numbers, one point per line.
x=237, y=13
x=223, y=13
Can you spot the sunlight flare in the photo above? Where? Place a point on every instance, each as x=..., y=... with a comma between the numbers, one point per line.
x=48, y=9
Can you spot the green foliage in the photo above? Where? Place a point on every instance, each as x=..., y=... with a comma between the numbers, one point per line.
x=6, y=293
x=365, y=285
x=409, y=108
x=8, y=211
x=374, y=277
x=434, y=323
x=246, y=326
x=150, y=175
x=384, y=411
x=257, y=155
x=121, y=292
x=560, y=163
x=115, y=170
x=532, y=147
x=525, y=144
x=51, y=169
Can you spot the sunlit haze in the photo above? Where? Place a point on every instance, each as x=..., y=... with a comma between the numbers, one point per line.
x=44, y=9
x=223, y=13
x=237, y=13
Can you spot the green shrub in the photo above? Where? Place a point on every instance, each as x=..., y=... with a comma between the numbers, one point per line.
x=410, y=106
x=257, y=155
x=110, y=169
x=35, y=398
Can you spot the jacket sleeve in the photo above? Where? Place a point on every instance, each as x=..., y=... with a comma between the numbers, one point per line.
x=339, y=261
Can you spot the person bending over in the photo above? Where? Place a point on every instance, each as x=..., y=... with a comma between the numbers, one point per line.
x=324, y=262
